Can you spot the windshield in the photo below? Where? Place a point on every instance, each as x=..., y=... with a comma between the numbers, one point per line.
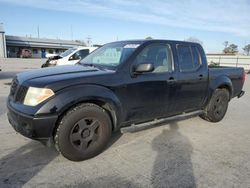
x=67, y=52
x=111, y=55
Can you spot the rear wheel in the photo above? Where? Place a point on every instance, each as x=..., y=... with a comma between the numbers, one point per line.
x=217, y=106
x=83, y=132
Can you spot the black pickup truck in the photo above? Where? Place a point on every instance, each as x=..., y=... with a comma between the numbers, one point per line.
x=122, y=83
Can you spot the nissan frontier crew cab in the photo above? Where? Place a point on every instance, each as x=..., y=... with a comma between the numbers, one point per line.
x=78, y=107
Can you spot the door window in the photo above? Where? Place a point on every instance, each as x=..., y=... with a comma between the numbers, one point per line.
x=196, y=57
x=75, y=56
x=189, y=58
x=83, y=53
x=159, y=55
x=80, y=54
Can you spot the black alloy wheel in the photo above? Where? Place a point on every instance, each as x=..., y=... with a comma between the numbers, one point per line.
x=83, y=132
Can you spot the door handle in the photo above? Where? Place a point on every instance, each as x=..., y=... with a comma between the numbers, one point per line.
x=171, y=80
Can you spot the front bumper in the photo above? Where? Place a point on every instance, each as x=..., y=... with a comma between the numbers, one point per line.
x=37, y=128
x=47, y=65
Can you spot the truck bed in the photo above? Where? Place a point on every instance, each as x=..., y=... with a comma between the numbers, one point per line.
x=235, y=74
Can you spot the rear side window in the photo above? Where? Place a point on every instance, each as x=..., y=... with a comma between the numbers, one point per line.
x=196, y=57
x=189, y=58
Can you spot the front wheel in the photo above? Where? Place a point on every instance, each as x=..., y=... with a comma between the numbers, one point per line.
x=217, y=106
x=83, y=132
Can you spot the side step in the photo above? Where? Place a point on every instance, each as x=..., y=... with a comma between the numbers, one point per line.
x=159, y=122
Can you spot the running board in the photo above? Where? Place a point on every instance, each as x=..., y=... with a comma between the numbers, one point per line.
x=159, y=122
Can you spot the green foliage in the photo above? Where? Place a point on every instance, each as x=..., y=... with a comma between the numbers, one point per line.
x=226, y=44
x=230, y=49
x=148, y=38
x=213, y=64
x=247, y=49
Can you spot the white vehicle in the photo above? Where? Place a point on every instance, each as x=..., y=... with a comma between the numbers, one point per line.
x=69, y=57
x=50, y=55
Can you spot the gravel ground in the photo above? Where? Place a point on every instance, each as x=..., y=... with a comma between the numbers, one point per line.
x=181, y=153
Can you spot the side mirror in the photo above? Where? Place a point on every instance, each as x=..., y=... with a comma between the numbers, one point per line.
x=145, y=67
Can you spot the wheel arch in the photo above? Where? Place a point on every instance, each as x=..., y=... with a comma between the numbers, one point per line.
x=101, y=103
x=221, y=82
x=69, y=98
x=228, y=88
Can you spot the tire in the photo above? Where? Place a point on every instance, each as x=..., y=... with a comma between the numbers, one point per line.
x=83, y=132
x=217, y=106
x=43, y=66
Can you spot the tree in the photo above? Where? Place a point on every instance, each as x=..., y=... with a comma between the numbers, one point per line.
x=148, y=38
x=247, y=49
x=225, y=44
x=194, y=39
x=231, y=49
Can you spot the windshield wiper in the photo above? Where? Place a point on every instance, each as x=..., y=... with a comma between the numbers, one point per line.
x=88, y=64
x=93, y=65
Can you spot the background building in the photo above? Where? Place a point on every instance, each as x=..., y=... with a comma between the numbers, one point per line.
x=15, y=46
x=2, y=42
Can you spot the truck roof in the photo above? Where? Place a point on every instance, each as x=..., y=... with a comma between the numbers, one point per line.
x=141, y=41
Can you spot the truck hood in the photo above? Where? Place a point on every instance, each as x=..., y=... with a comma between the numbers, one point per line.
x=63, y=74
x=53, y=56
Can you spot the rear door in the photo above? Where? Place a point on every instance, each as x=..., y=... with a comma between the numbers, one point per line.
x=193, y=78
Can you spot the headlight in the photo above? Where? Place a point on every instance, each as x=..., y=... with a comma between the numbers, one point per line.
x=53, y=62
x=34, y=95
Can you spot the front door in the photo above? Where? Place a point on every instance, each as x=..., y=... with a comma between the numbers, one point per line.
x=151, y=95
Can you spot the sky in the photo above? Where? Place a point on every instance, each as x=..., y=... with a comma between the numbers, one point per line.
x=210, y=21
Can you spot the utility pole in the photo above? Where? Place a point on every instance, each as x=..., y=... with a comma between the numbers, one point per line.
x=38, y=32
x=89, y=41
x=71, y=32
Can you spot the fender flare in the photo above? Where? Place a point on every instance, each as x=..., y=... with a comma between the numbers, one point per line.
x=221, y=82
x=73, y=95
